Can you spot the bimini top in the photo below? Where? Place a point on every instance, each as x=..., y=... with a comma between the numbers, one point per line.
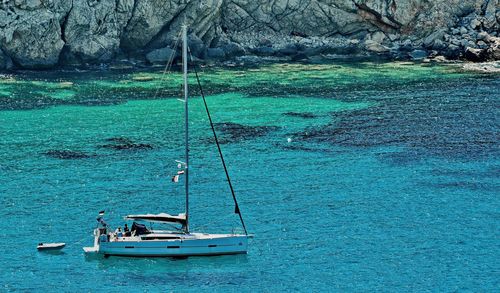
x=161, y=218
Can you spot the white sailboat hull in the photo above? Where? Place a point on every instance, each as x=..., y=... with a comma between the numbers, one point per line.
x=194, y=244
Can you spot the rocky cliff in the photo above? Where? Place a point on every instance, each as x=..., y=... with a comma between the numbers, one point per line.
x=47, y=33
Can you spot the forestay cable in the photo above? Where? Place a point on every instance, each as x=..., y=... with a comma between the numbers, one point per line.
x=236, y=207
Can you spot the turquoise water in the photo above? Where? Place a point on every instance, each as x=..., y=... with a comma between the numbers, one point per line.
x=353, y=177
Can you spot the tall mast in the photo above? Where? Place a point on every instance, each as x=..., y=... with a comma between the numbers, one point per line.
x=184, y=69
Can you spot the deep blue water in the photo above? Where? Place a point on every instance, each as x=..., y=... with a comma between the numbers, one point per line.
x=352, y=177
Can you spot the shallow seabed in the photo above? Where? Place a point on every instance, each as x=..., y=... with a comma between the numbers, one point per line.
x=352, y=176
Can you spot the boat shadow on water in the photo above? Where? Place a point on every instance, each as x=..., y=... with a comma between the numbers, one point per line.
x=165, y=263
x=52, y=252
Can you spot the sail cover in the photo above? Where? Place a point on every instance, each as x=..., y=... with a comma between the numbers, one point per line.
x=161, y=218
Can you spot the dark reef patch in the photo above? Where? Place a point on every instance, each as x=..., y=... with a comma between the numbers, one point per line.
x=67, y=154
x=232, y=132
x=447, y=124
x=27, y=102
x=301, y=115
x=124, y=143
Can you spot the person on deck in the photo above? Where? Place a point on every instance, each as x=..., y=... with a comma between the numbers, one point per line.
x=126, y=230
x=119, y=232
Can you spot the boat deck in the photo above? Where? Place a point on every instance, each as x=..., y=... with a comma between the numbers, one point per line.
x=169, y=236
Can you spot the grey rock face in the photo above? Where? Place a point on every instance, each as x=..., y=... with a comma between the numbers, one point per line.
x=161, y=55
x=5, y=61
x=475, y=23
x=482, y=36
x=215, y=53
x=231, y=49
x=435, y=36
x=147, y=20
x=373, y=46
x=476, y=55
x=288, y=50
x=482, y=45
x=30, y=31
x=44, y=33
x=93, y=28
x=491, y=14
x=263, y=51
x=161, y=18
x=32, y=38
x=452, y=52
x=493, y=52
x=418, y=54
x=197, y=46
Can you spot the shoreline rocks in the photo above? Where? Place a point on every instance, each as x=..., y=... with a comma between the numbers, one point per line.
x=36, y=35
x=485, y=67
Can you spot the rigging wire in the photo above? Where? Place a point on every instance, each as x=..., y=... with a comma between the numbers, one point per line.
x=166, y=69
x=236, y=208
x=168, y=66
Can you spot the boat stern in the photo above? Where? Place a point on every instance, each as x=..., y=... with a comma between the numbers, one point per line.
x=99, y=235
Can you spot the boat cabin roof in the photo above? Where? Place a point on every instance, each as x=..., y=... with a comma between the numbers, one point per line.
x=160, y=218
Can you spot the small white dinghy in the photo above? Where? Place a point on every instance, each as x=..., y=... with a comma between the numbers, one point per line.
x=50, y=246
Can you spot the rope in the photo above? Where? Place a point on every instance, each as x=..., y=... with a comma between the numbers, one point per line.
x=236, y=207
x=168, y=66
x=166, y=69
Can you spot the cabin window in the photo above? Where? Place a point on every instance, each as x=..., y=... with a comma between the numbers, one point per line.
x=159, y=237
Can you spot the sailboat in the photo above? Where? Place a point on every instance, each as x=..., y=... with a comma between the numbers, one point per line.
x=140, y=241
